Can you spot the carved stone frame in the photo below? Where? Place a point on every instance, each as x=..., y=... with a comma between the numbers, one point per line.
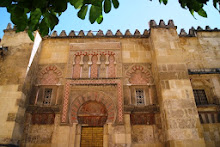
x=64, y=117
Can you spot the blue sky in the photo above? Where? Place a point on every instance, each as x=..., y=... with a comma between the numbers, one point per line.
x=131, y=15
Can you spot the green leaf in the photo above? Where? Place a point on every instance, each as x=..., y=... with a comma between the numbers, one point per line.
x=107, y=6
x=165, y=2
x=30, y=34
x=202, y=13
x=43, y=28
x=76, y=3
x=59, y=5
x=99, y=19
x=35, y=17
x=97, y=3
x=87, y=2
x=5, y=3
x=192, y=12
x=94, y=13
x=19, y=18
x=115, y=3
x=82, y=12
x=215, y=2
x=39, y=3
x=51, y=20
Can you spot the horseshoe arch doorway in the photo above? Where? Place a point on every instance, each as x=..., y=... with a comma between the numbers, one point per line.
x=92, y=116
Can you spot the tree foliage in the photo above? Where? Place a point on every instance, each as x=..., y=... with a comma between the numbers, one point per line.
x=43, y=15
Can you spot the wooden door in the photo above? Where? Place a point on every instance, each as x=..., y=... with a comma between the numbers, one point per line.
x=92, y=137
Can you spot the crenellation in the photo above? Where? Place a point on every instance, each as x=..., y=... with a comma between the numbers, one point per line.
x=127, y=33
x=171, y=24
x=54, y=34
x=146, y=33
x=199, y=28
x=9, y=27
x=118, y=33
x=109, y=33
x=137, y=33
x=207, y=28
x=90, y=34
x=162, y=23
x=81, y=33
x=100, y=33
x=72, y=33
x=63, y=33
x=152, y=23
x=192, y=32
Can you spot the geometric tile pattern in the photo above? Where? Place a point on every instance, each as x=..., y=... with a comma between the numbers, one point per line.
x=99, y=81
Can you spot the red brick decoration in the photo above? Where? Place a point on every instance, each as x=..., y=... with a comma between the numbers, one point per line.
x=139, y=75
x=77, y=67
x=142, y=119
x=111, y=67
x=50, y=75
x=94, y=53
x=99, y=97
x=94, y=67
x=93, y=97
x=92, y=113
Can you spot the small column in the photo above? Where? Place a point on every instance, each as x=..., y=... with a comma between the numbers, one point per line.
x=36, y=98
x=107, y=64
x=81, y=59
x=150, y=95
x=74, y=56
x=107, y=61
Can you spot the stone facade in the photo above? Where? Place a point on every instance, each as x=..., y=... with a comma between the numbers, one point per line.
x=152, y=89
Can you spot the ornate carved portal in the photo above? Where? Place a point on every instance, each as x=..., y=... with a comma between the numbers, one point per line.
x=92, y=114
x=94, y=96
